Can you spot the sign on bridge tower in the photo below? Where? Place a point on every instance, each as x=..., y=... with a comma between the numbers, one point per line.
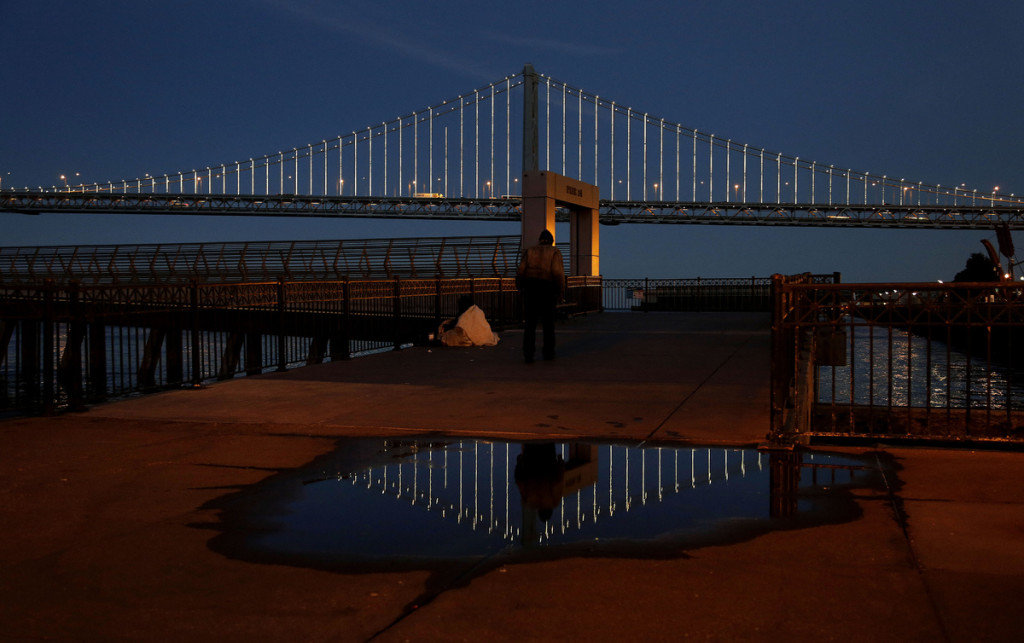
x=545, y=191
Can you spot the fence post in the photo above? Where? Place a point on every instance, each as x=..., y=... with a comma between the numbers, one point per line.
x=28, y=350
x=282, y=358
x=197, y=349
x=346, y=310
x=253, y=353
x=437, y=302
x=647, y=293
x=174, y=364
x=517, y=316
x=49, y=372
x=396, y=313
x=71, y=360
x=777, y=381
x=97, y=359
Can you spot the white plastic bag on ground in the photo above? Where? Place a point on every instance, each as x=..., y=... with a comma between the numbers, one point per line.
x=471, y=329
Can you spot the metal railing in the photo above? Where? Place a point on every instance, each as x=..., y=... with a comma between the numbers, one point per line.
x=65, y=345
x=741, y=294
x=452, y=257
x=897, y=361
x=699, y=294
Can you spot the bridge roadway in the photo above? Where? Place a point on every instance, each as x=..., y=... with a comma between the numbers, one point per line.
x=963, y=212
x=107, y=522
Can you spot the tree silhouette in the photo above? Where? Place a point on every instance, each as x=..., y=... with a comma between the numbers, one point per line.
x=978, y=268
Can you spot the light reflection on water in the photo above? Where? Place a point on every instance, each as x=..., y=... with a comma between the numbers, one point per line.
x=411, y=499
x=902, y=369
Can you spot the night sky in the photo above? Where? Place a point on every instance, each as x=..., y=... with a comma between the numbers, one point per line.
x=929, y=91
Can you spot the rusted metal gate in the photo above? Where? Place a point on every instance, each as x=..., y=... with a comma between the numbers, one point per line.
x=897, y=361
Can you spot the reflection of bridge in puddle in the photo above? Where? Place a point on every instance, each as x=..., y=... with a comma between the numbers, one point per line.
x=563, y=487
x=432, y=499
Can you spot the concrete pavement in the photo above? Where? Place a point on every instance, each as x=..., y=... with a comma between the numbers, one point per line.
x=107, y=525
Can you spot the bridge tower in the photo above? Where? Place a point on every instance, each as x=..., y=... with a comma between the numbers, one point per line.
x=543, y=191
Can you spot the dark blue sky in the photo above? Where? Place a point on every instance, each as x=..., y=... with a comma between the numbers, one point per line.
x=930, y=91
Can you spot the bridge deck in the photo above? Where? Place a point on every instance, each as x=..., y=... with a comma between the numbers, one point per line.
x=951, y=213
x=105, y=509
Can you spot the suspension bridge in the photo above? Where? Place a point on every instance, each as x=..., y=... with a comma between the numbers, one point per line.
x=463, y=158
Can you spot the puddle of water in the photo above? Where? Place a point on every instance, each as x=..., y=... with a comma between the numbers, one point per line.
x=376, y=500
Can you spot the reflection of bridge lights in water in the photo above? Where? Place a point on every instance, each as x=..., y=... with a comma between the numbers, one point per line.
x=408, y=499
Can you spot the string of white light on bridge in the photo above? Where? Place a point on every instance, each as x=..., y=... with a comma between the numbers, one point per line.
x=469, y=147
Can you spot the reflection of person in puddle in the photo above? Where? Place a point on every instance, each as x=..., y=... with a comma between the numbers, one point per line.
x=539, y=476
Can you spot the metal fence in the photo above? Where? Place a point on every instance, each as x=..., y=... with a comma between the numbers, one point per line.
x=65, y=345
x=699, y=294
x=231, y=262
x=898, y=361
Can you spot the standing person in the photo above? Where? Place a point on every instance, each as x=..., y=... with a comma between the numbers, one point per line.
x=541, y=280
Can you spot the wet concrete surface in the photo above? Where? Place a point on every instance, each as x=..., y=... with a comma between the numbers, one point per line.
x=111, y=517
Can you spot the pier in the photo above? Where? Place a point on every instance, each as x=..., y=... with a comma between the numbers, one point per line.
x=177, y=383
x=110, y=513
